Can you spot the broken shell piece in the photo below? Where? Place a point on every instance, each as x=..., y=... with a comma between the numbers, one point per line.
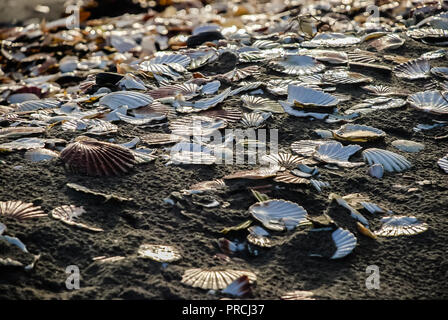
x=209, y=279
x=86, y=190
x=239, y=288
x=236, y=75
x=159, y=253
x=376, y=171
x=307, y=147
x=365, y=231
x=261, y=104
x=96, y=158
x=331, y=40
x=287, y=177
x=2, y=228
x=372, y=207
x=337, y=76
x=68, y=214
x=191, y=153
x=259, y=237
x=298, y=295
x=391, y=161
x=201, y=105
x=230, y=247
x=279, y=215
x=305, y=97
x=414, y=69
x=155, y=138
x=345, y=242
x=205, y=186
x=358, y=133
x=40, y=154
x=355, y=214
x=286, y=160
x=394, y=226
x=211, y=87
x=408, y=145
x=196, y=126
x=429, y=101
x=20, y=210
x=23, y=144
x=388, y=42
x=443, y=163
x=381, y=90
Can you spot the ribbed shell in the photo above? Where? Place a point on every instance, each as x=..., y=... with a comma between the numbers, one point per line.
x=13, y=132
x=345, y=77
x=345, y=242
x=303, y=96
x=68, y=215
x=400, y=226
x=40, y=154
x=239, y=74
x=285, y=159
x=97, y=158
x=261, y=104
x=429, y=101
x=32, y=105
x=214, y=279
x=278, y=215
x=298, y=65
x=390, y=41
x=414, y=69
x=260, y=173
x=187, y=90
x=391, y=161
x=443, y=163
x=335, y=152
x=131, y=99
x=20, y=210
x=358, y=133
x=376, y=171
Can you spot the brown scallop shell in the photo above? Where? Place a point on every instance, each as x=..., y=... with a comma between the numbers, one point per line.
x=96, y=158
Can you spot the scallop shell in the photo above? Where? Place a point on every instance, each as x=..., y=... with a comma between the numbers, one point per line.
x=14, y=132
x=394, y=226
x=236, y=75
x=307, y=147
x=96, y=158
x=381, y=90
x=260, y=173
x=278, y=215
x=423, y=33
x=264, y=44
x=376, y=171
x=408, y=145
x=329, y=56
x=2, y=228
x=68, y=214
x=331, y=40
x=255, y=119
x=358, y=133
x=345, y=242
x=261, y=104
x=138, y=121
x=131, y=99
x=306, y=97
x=245, y=86
x=239, y=288
x=210, y=279
x=443, y=163
x=159, y=253
x=158, y=70
x=283, y=159
x=40, y=154
x=23, y=144
x=429, y=101
x=155, y=138
x=388, y=42
x=336, y=153
x=391, y=161
x=287, y=177
x=204, y=104
x=229, y=115
x=414, y=69
x=441, y=72
x=196, y=126
x=105, y=196
x=32, y=105
x=187, y=90
x=338, y=76
x=20, y=210
x=205, y=186
x=297, y=65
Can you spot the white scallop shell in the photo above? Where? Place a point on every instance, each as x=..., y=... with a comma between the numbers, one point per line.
x=338, y=76
x=131, y=99
x=278, y=215
x=260, y=173
x=196, y=126
x=236, y=75
x=14, y=132
x=394, y=226
x=390, y=41
x=191, y=153
x=239, y=288
x=298, y=295
x=336, y=153
x=443, y=163
x=32, y=105
x=203, y=104
x=211, y=87
x=255, y=119
x=381, y=90
x=23, y=144
x=297, y=65
x=331, y=40
x=69, y=214
x=414, y=69
x=160, y=253
x=429, y=101
x=304, y=96
x=245, y=86
x=391, y=161
x=307, y=147
x=261, y=104
x=187, y=90
x=214, y=279
x=345, y=242
x=284, y=159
